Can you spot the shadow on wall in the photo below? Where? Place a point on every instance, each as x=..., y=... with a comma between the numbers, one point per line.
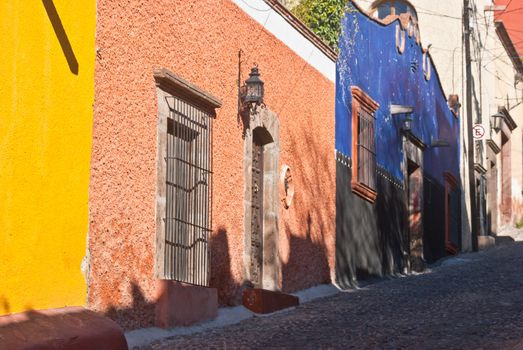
x=140, y=313
x=392, y=224
x=229, y=291
x=59, y=30
x=5, y=307
x=309, y=223
x=370, y=237
x=307, y=264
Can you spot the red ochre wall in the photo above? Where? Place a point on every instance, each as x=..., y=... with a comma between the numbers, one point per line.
x=512, y=18
x=199, y=40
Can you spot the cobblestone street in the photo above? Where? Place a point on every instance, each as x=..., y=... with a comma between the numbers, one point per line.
x=474, y=301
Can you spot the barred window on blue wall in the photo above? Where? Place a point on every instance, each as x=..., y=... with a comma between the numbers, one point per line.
x=363, y=145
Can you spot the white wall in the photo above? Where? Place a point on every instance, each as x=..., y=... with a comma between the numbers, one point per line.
x=278, y=26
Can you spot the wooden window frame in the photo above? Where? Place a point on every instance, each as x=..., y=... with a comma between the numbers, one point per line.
x=360, y=100
x=451, y=184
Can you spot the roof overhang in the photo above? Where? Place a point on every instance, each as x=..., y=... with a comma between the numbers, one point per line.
x=507, y=118
x=503, y=35
x=302, y=28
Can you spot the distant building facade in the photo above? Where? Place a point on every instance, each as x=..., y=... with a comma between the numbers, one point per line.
x=397, y=144
x=511, y=17
x=495, y=84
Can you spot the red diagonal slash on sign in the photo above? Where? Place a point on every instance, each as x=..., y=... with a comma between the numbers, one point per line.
x=478, y=131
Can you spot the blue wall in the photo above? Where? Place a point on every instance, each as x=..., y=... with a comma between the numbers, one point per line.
x=369, y=59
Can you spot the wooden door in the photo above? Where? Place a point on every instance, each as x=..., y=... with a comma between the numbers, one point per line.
x=257, y=215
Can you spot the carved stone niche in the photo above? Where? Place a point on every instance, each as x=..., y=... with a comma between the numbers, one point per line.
x=286, y=186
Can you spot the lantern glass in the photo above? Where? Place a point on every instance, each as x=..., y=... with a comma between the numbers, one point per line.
x=496, y=121
x=407, y=124
x=254, y=87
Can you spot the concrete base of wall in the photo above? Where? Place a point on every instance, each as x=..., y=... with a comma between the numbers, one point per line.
x=182, y=304
x=72, y=328
x=485, y=242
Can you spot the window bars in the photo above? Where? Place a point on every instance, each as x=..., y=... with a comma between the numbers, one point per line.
x=188, y=193
x=366, y=149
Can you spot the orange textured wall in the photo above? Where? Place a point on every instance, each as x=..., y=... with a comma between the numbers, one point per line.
x=199, y=40
x=512, y=17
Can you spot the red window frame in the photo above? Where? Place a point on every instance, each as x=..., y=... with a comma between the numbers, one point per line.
x=364, y=182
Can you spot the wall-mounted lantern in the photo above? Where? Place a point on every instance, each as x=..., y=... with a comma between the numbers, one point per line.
x=407, y=124
x=496, y=120
x=254, y=88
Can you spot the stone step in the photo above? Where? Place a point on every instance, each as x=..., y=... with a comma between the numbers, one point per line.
x=264, y=301
x=69, y=328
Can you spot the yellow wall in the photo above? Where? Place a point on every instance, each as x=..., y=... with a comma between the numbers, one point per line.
x=45, y=145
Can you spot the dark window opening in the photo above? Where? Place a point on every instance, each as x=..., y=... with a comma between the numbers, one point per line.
x=188, y=193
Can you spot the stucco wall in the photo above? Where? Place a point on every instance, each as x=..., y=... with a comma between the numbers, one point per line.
x=200, y=41
x=505, y=94
x=46, y=96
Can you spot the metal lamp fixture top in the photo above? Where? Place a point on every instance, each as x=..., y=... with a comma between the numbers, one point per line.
x=254, y=84
x=496, y=121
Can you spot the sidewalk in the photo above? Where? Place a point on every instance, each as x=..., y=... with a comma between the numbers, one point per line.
x=226, y=316
x=472, y=301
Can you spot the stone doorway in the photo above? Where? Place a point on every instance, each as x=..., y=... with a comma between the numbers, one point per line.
x=492, y=187
x=506, y=180
x=413, y=172
x=415, y=210
x=262, y=266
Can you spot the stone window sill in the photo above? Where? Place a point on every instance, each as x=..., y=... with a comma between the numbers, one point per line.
x=364, y=191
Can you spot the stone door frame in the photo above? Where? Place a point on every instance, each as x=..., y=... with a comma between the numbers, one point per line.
x=412, y=151
x=271, y=270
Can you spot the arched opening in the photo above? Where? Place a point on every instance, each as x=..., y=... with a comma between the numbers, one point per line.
x=261, y=136
x=384, y=8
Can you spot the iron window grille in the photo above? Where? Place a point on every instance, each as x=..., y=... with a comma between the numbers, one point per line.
x=184, y=179
x=366, y=149
x=188, y=193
